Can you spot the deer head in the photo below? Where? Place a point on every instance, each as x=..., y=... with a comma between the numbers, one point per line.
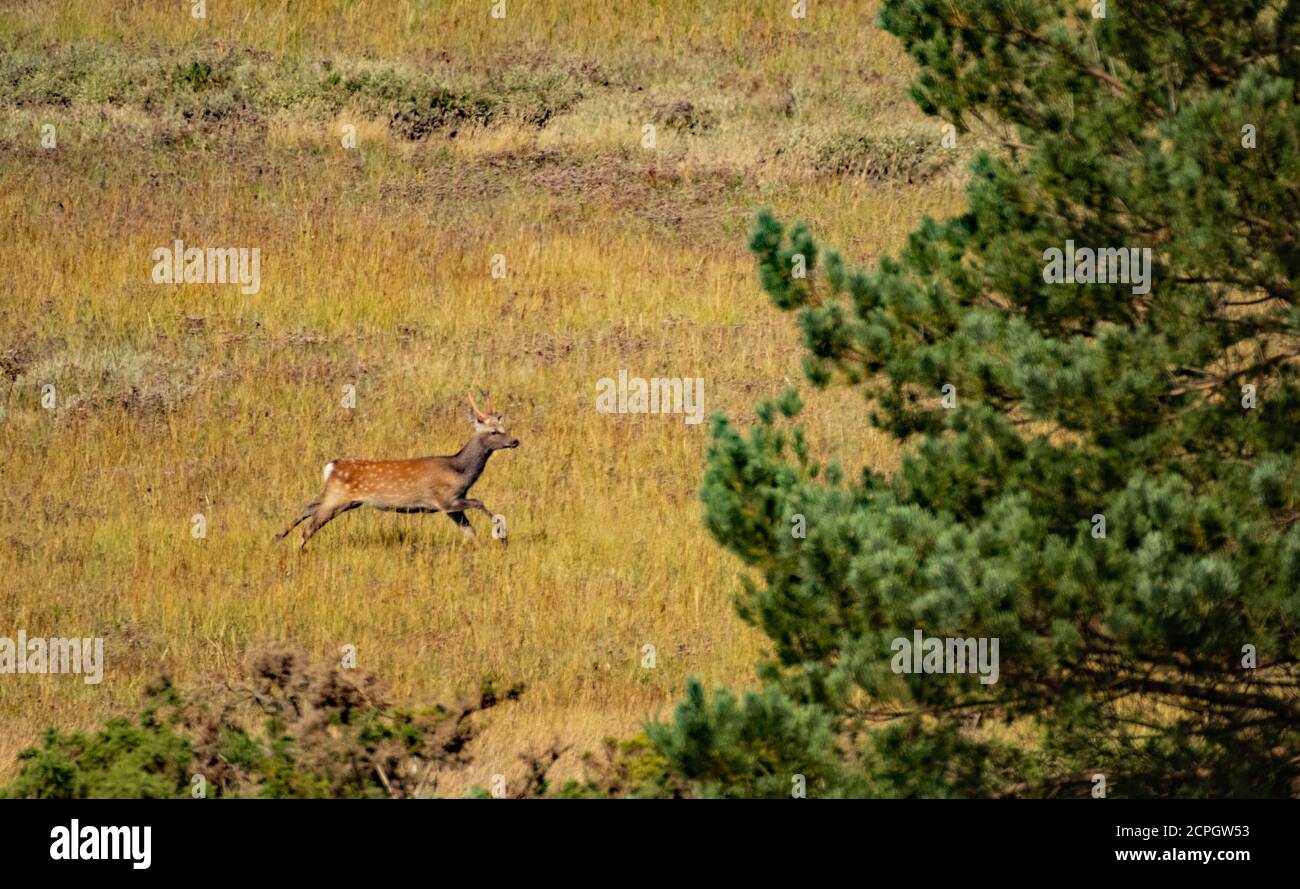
x=489, y=427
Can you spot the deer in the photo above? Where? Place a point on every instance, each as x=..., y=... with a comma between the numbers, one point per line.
x=421, y=484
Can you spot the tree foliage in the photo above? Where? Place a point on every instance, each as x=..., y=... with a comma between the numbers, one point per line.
x=1169, y=125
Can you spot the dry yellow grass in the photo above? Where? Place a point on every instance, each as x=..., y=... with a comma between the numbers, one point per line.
x=175, y=401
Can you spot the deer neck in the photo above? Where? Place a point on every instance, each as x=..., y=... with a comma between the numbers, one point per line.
x=469, y=461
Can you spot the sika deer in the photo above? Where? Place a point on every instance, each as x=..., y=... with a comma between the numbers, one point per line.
x=423, y=484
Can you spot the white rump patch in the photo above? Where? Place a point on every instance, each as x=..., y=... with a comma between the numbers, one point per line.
x=329, y=467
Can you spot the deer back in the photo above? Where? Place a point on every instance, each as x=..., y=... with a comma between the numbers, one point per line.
x=420, y=483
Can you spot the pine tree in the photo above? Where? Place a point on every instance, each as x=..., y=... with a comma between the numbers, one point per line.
x=1102, y=475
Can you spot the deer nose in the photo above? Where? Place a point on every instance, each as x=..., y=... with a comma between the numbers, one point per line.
x=514, y=443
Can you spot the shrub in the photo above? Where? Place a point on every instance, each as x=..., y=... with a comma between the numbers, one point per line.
x=325, y=733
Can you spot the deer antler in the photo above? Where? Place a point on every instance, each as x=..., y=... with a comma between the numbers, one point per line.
x=489, y=406
x=478, y=413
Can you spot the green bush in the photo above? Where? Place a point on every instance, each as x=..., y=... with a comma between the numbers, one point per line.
x=324, y=733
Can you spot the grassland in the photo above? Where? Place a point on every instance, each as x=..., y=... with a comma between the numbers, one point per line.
x=475, y=136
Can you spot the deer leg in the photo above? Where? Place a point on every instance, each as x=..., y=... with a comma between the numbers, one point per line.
x=465, y=526
x=465, y=503
x=469, y=503
x=324, y=516
x=308, y=511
